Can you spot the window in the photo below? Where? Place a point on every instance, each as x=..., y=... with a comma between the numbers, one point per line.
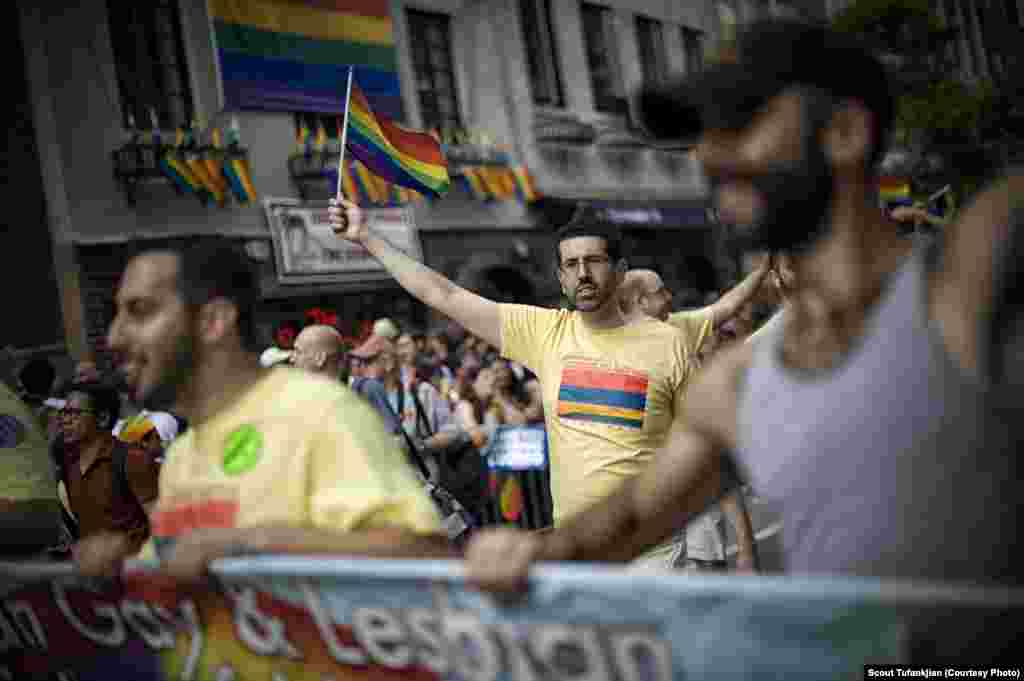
x=541, y=54
x=651, y=40
x=602, y=59
x=430, y=38
x=693, y=45
x=152, y=74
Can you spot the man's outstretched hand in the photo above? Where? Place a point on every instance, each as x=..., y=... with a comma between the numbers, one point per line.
x=348, y=220
x=498, y=561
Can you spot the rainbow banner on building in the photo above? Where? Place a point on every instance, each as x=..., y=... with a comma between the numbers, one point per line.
x=595, y=394
x=400, y=156
x=290, y=55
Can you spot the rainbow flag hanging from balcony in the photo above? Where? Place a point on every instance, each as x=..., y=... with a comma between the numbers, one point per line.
x=488, y=183
x=524, y=185
x=174, y=166
x=236, y=171
x=290, y=55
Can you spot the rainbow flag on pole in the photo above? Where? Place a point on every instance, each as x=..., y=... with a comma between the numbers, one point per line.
x=399, y=156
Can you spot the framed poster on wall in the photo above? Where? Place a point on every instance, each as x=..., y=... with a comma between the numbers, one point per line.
x=306, y=251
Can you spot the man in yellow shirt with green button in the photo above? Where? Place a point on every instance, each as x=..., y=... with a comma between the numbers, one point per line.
x=275, y=460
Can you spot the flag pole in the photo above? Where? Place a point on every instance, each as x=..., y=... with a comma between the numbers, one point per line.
x=344, y=129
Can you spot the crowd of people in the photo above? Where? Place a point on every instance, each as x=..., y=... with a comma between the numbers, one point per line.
x=881, y=390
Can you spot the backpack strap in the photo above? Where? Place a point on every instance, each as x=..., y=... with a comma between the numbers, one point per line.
x=423, y=429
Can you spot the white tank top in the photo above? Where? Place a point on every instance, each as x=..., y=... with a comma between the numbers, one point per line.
x=894, y=464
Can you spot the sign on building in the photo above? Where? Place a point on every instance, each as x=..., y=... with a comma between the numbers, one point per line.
x=306, y=250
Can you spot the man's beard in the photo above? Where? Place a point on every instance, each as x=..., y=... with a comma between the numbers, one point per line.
x=164, y=395
x=570, y=297
x=797, y=196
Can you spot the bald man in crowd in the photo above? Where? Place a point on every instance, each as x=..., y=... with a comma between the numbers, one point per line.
x=643, y=295
x=319, y=349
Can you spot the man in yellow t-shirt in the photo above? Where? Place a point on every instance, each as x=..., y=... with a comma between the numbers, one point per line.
x=29, y=510
x=610, y=390
x=275, y=460
x=643, y=294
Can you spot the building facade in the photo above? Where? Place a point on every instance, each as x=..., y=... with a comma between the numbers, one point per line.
x=544, y=80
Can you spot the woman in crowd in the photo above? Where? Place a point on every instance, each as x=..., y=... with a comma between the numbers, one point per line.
x=516, y=400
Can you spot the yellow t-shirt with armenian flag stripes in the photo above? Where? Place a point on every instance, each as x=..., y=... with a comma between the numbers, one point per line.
x=610, y=396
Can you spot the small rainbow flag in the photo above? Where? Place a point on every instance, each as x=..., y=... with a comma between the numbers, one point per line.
x=180, y=173
x=524, y=185
x=894, y=190
x=594, y=394
x=400, y=156
x=511, y=500
x=303, y=140
x=321, y=137
x=475, y=184
x=197, y=164
x=236, y=171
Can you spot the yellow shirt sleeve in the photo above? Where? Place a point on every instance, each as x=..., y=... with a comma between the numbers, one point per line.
x=26, y=472
x=696, y=327
x=685, y=365
x=523, y=328
x=360, y=479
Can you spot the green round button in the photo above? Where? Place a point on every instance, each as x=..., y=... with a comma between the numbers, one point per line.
x=242, y=450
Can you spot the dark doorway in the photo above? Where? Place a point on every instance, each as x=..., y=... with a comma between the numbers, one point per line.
x=32, y=304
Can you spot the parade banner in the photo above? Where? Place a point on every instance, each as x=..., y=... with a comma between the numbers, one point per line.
x=293, y=618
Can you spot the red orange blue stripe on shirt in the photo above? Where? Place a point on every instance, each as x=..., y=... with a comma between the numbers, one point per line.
x=598, y=395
